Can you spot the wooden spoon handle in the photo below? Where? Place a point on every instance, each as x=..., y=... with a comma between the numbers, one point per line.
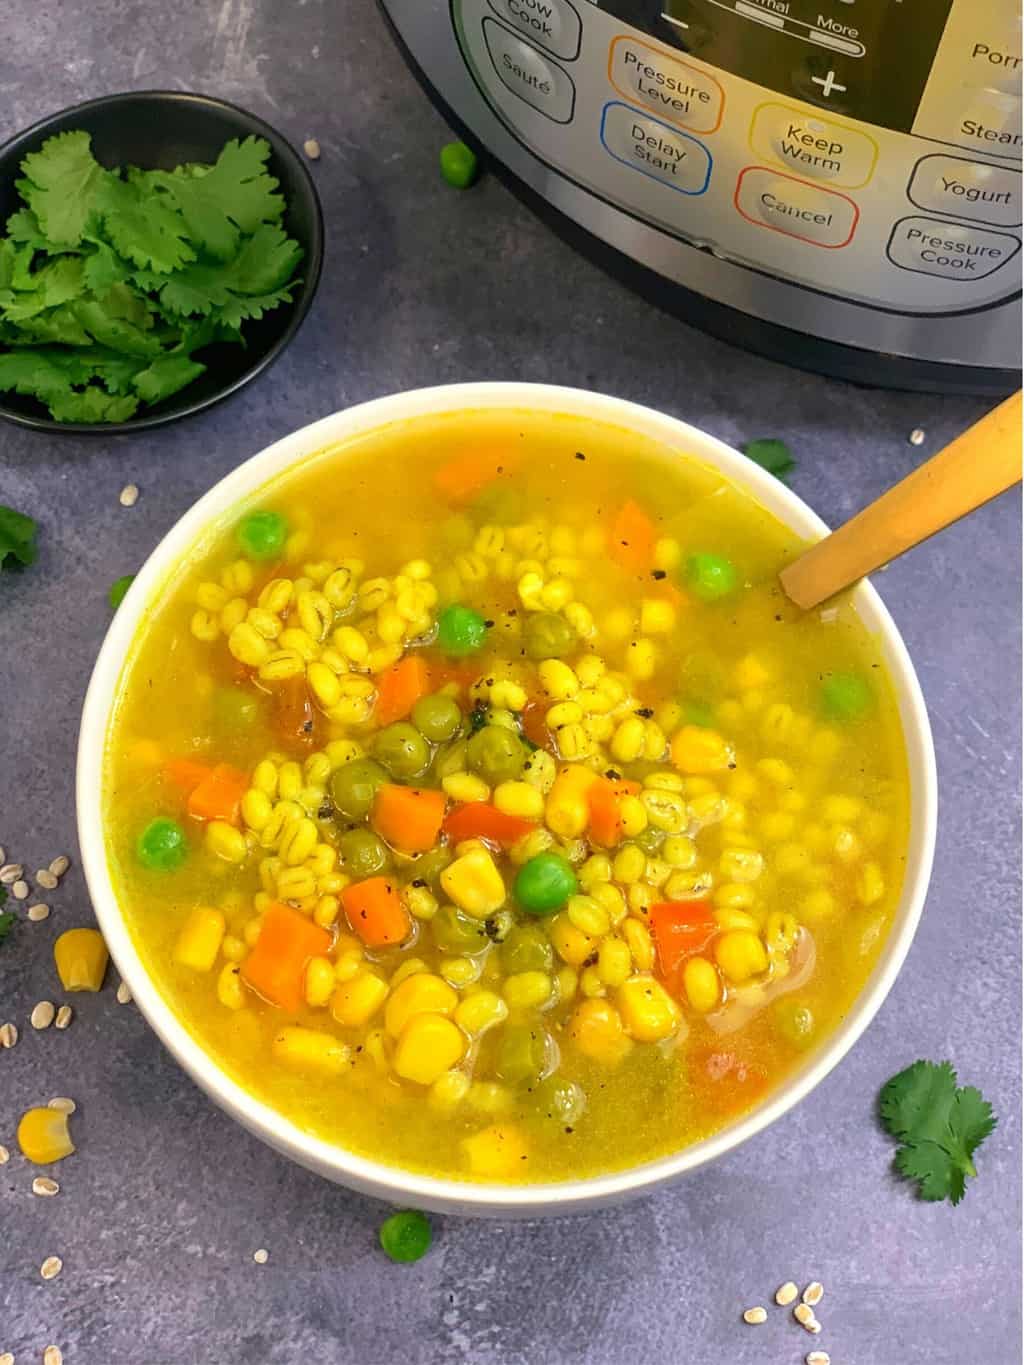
x=979, y=465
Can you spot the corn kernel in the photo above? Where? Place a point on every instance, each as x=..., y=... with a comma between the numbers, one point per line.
x=225, y=841
x=538, y=841
x=230, y=991
x=43, y=1136
x=741, y=865
x=200, y=938
x=818, y=905
x=780, y=930
x=614, y=961
x=741, y=955
x=563, y=713
x=347, y=966
x=629, y=864
x=752, y=672
x=306, y=1049
x=566, y=983
x=474, y=883
x=776, y=771
x=571, y=944
x=480, y=1012
x=320, y=981
x=870, y=884
x=80, y=956
x=641, y=659
x=640, y=945
x=358, y=999
x=325, y=912
x=596, y=1029
x=527, y=990
x=421, y=993
x=657, y=617
x=460, y=971
x=448, y=1091
x=699, y=750
x=597, y=868
x=588, y=915
x=429, y=1045
x=264, y=777
x=648, y=1011
x=628, y=741
x=679, y=851
x=557, y=679
x=611, y=898
x=701, y=984
x=519, y=798
x=633, y=818
x=496, y=1153
x=590, y=984
x=665, y=810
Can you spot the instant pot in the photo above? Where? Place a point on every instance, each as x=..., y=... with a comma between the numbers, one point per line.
x=836, y=183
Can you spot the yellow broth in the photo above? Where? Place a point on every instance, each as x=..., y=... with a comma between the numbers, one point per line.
x=792, y=845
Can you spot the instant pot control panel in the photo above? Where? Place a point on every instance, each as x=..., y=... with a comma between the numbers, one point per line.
x=865, y=149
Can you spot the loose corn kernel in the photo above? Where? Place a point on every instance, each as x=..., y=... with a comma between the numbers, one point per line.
x=410, y=967
x=731, y=917
x=818, y=905
x=752, y=672
x=540, y=770
x=200, y=938
x=474, y=883
x=617, y=625
x=358, y=999
x=480, y=1012
x=497, y=1152
x=508, y=694
x=465, y=787
x=252, y=930
x=632, y=816
x=655, y=743
x=320, y=981
x=557, y=679
x=596, y=1029
x=351, y=644
x=420, y=903
x=657, y=872
x=566, y=811
x=529, y=589
x=289, y=781
x=614, y=961
x=870, y=884
x=628, y=741
x=846, y=846
x=780, y=930
x=657, y=617
x=429, y=1045
x=566, y=983
x=588, y=915
x=232, y=948
x=324, y=684
x=80, y=956
x=611, y=898
x=688, y=886
x=741, y=865
x=448, y=1091
x=679, y=851
x=629, y=864
x=777, y=826
x=307, y=1049
x=325, y=912
x=349, y=963
x=248, y=646
x=527, y=990
x=701, y=984
x=668, y=553
x=673, y=782
x=641, y=659
x=204, y=626
x=648, y=1011
x=776, y=771
x=824, y=746
x=230, y=990
x=322, y=860
x=264, y=777
x=460, y=972
x=563, y=713
x=571, y=944
x=597, y=868
x=665, y=810
x=519, y=798
x=43, y=1136
x=593, y=702
x=641, y=947
x=591, y=984
x=640, y=897
x=741, y=955
x=735, y=896
x=422, y=993
x=590, y=670
x=225, y=841
x=556, y=594
x=699, y=750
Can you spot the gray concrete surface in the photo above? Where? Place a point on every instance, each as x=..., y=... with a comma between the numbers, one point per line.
x=166, y=1200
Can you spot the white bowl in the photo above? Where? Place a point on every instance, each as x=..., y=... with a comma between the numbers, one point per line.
x=392, y=1183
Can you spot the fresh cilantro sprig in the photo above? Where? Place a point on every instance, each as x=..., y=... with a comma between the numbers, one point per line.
x=940, y=1124
x=17, y=547
x=771, y=454
x=110, y=282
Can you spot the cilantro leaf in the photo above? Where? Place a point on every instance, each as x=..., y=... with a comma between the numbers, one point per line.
x=235, y=193
x=239, y=306
x=267, y=259
x=103, y=267
x=940, y=1125
x=54, y=326
x=91, y=405
x=144, y=228
x=771, y=454
x=165, y=376
x=17, y=539
x=59, y=281
x=101, y=320
x=7, y=922
x=63, y=182
x=23, y=227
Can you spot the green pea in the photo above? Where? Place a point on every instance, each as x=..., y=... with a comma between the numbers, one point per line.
x=450, y=758
x=711, y=577
x=460, y=630
x=429, y=866
x=162, y=845
x=354, y=785
x=458, y=165
x=547, y=635
x=236, y=709
x=698, y=713
x=361, y=854
x=526, y=950
x=496, y=753
x=406, y=1236
x=402, y=750
x=455, y=932
x=560, y=1100
x=115, y=595
x=523, y=1054
x=794, y=1021
x=262, y=534
x=846, y=696
x=545, y=883
x=437, y=717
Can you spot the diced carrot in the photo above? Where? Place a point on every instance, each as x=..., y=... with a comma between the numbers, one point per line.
x=481, y=820
x=375, y=912
x=603, y=797
x=219, y=795
x=679, y=929
x=294, y=716
x=464, y=476
x=186, y=773
x=726, y=1081
x=400, y=688
x=409, y=818
x=632, y=538
x=276, y=967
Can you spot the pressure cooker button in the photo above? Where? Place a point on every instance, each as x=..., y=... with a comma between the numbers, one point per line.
x=676, y=91
x=812, y=145
x=663, y=153
x=554, y=24
x=529, y=74
x=808, y=212
x=952, y=251
x=967, y=189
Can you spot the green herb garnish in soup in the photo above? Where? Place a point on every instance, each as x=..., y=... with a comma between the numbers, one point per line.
x=487, y=810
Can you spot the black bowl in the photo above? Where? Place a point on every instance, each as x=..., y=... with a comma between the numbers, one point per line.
x=160, y=129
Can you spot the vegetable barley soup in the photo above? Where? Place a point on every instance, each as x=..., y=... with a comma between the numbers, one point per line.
x=478, y=801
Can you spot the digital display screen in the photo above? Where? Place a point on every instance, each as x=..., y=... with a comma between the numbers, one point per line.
x=868, y=59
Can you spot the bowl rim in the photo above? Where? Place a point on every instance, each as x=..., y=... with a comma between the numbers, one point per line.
x=280, y=146
x=338, y=1163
